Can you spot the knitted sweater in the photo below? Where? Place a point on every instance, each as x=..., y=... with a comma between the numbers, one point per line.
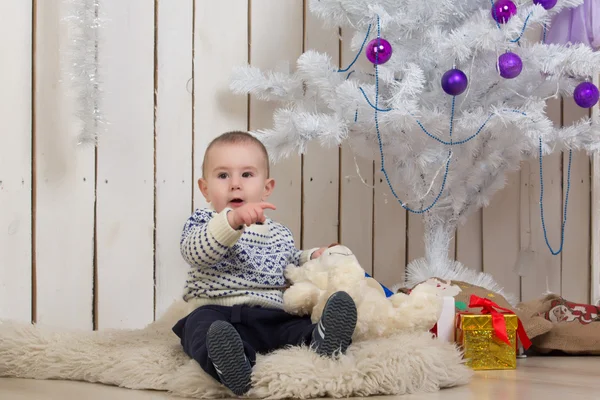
x=243, y=266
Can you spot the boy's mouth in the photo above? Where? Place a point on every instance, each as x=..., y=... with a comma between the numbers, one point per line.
x=236, y=202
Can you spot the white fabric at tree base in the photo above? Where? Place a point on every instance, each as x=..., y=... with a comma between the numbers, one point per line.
x=152, y=358
x=445, y=325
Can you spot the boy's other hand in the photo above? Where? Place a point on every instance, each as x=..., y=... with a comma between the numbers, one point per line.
x=317, y=253
x=248, y=214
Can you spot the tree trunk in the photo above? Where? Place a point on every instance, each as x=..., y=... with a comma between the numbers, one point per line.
x=438, y=235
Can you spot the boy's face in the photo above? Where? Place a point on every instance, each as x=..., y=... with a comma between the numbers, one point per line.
x=235, y=174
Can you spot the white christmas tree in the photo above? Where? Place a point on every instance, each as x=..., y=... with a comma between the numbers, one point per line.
x=456, y=97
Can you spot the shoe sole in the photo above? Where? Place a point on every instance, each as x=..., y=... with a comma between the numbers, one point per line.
x=339, y=320
x=226, y=350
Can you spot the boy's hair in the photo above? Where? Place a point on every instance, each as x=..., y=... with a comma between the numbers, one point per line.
x=237, y=137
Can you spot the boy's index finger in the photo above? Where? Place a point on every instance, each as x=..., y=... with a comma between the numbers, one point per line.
x=267, y=205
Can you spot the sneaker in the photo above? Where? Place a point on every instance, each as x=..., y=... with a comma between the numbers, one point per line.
x=334, y=330
x=226, y=352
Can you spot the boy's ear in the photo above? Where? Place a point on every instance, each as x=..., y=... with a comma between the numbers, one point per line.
x=269, y=186
x=203, y=186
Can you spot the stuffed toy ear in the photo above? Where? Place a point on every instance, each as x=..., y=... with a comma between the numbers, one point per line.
x=386, y=291
x=374, y=284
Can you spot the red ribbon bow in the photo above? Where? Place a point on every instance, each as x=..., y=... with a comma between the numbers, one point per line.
x=498, y=322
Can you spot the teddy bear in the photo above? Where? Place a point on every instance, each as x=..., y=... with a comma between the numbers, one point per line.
x=338, y=269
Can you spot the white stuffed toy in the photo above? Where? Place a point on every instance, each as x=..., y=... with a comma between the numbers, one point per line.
x=378, y=316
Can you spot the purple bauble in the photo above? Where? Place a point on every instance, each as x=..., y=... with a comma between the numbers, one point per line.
x=510, y=65
x=454, y=82
x=586, y=94
x=503, y=10
x=379, y=51
x=547, y=4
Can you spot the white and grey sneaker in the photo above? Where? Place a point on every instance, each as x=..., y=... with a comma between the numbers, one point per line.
x=226, y=352
x=333, y=333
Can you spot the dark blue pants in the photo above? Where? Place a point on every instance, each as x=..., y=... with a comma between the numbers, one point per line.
x=262, y=330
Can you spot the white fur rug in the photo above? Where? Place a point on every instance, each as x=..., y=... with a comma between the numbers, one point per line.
x=151, y=358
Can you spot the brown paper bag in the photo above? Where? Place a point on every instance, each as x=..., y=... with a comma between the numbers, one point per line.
x=575, y=327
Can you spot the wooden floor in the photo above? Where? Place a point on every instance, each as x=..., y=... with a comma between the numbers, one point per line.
x=547, y=378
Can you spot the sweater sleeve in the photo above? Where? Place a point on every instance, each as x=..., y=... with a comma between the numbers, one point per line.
x=302, y=256
x=206, y=238
x=298, y=257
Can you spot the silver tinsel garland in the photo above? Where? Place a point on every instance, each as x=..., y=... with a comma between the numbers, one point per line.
x=79, y=66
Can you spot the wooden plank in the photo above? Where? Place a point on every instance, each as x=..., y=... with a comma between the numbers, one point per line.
x=216, y=52
x=356, y=196
x=64, y=179
x=276, y=38
x=452, y=246
x=545, y=275
x=320, y=165
x=527, y=254
x=173, y=146
x=595, y=217
x=125, y=195
x=389, y=234
x=469, y=242
x=415, y=237
x=500, y=238
x=575, y=258
x=15, y=160
x=595, y=236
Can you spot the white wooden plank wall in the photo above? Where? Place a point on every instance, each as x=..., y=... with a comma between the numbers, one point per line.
x=545, y=273
x=125, y=186
x=89, y=236
x=575, y=257
x=595, y=218
x=64, y=184
x=220, y=43
x=173, y=130
x=15, y=159
x=356, y=183
x=389, y=233
x=277, y=43
x=500, y=236
x=320, y=166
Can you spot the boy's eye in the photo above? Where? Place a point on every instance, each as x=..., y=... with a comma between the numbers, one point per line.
x=222, y=175
x=246, y=174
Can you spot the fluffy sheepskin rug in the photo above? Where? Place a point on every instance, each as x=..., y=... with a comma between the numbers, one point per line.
x=151, y=358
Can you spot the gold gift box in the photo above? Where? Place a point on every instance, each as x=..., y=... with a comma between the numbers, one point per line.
x=482, y=348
